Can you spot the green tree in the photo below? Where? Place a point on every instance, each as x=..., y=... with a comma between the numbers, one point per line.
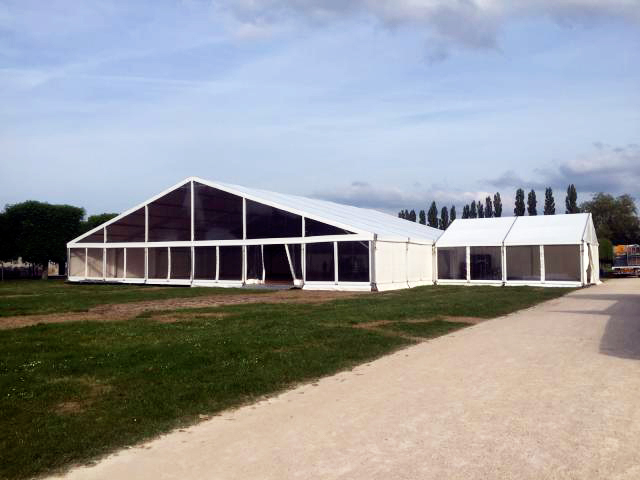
x=412, y=215
x=444, y=218
x=401, y=214
x=532, y=203
x=605, y=251
x=452, y=214
x=518, y=210
x=432, y=215
x=549, y=202
x=473, y=211
x=466, y=211
x=571, y=200
x=480, y=209
x=39, y=232
x=614, y=218
x=497, y=205
x=423, y=217
x=488, y=207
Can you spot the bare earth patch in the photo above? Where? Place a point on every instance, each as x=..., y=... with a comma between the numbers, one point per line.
x=127, y=311
x=96, y=388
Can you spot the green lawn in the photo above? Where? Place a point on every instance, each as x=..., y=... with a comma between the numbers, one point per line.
x=29, y=297
x=71, y=392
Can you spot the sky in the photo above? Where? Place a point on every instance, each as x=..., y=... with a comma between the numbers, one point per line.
x=387, y=104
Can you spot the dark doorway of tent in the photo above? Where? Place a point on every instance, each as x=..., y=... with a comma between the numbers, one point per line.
x=275, y=265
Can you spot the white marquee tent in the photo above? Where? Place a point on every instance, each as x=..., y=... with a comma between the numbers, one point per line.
x=550, y=250
x=204, y=233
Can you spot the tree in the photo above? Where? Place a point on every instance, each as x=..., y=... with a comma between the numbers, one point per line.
x=605, y=251
x=571, y=200
x=432, y=215
x=401, y=214
x=497, y=205
x=39, y=232
x=452, y=214
x=444, y=218
x=549, y=202
x=473, y=211
x=518, y=210
x=423, y=217
x=488, y=207
x=95, y=220
x=532, y=203
x=480, y=210
x=412, y=215
x=614, y=218
x=466, y=211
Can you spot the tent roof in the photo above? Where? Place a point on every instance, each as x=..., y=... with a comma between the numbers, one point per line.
x=355, y=219
x=476, y=231
x=537, y=230
x=361, y=220
x=552, y=230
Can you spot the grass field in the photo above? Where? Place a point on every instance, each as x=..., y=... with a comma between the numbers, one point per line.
x=70, y=392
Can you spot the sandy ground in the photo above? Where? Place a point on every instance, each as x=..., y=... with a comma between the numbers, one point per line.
x=127, y=311
x=552, y=392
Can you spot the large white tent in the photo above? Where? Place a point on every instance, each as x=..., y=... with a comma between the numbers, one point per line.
x=550, y=250
x=199, y=232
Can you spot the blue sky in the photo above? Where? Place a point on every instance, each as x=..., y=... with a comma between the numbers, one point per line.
x=386, y=104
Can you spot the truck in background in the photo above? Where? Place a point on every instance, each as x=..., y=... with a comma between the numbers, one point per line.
x=626, y=260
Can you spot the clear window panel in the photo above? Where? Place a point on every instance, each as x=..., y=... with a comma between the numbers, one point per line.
x=264, y=221
x=94, y=262
x=230, y=263
x=353, y=261
x=562, y=263
x=217, y=214
x=135, y=262
x=295, y=252
x=314, y=228
x=127, y=229
x=205, y=263
x=254, y=262
x=95, y=237
x=180, y=263
x=158, y=262
x=523, y=263
x=170, y=216
x=485, y=263
x=77, y=258
x=115, y=263
x=452, y=263
x=319, y=262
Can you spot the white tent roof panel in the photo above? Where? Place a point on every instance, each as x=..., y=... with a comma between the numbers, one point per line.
x=537, y=230
x=479, y=232
x=552, y=230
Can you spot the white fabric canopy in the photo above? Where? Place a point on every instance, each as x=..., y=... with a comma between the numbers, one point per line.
x=481, y=232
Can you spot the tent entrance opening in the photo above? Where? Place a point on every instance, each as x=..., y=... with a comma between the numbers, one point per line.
x=276, y=265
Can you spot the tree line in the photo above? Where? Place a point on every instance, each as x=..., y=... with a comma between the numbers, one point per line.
x=615, y=218
x=38, y=231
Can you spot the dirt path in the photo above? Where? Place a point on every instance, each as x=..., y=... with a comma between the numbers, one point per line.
x=126, y=311
x=550, y=392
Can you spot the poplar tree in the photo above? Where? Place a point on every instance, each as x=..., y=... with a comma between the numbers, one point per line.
x=444, y=218
x=497, y=205
x=480, y=210
x=423, y=217
x=549, y=202
x=571, y=200
x=452, y=214
x=432, y=215
x=465, y=211
x=532, y=203
x=473, y=211
x=519, y=209
x=412, y=215
x=488, y=207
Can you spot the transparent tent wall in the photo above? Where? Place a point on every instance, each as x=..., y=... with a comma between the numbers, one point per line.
x=320, y=262
x=115, y=263
x=77, y=258
x=353, y=261
x=562, y=263
x=181, y=263
x=205, y=263
x=523, y=263
x=94, y=263
x=157, y=262
x=452, y=263
x=135, y=262
x=485, y=263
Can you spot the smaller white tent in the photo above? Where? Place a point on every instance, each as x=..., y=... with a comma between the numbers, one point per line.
x=550, y=250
